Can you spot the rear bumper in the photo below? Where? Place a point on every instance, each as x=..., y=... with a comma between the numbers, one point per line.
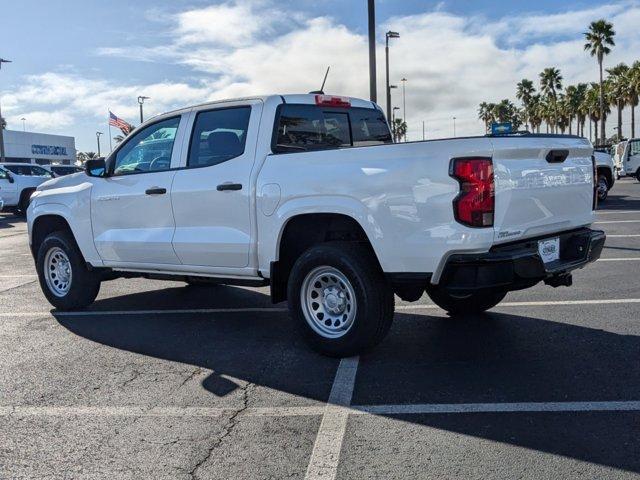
x=518, y=265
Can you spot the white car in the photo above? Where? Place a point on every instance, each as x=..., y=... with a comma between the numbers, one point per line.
x=307, y=194
x=17, y=183
x=630, y=158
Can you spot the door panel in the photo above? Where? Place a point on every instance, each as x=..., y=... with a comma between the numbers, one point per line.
x=212, y=196
x=8, y=190
x=131, y=211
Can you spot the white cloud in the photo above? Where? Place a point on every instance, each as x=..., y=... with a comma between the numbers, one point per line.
x=452, y=62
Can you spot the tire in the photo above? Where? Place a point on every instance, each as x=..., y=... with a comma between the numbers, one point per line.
x=603, y=188
x=57, y=252
x=473, y=303
x=23, y=204
x=361, y=299
x=638, y=175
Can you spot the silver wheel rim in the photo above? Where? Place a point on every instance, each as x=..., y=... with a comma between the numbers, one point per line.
x=328, y=302
x=57, y=271
x=602, y=187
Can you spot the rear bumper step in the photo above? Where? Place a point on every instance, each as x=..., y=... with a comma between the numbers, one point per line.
x=518, y=265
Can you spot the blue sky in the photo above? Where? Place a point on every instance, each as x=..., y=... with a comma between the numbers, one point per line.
x=74, y=59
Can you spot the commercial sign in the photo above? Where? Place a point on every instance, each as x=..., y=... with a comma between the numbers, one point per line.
x=48, y=150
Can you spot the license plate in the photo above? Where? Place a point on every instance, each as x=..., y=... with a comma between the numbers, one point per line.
x=549, y=249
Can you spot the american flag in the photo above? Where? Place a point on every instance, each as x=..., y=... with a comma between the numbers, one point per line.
x=120, y=123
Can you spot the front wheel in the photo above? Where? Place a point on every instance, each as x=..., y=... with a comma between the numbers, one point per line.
x=603, y=188
x=64, y=277
x=339, y=299
x=471, y=303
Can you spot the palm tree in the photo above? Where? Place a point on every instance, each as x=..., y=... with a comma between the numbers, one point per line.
x=118, y=138
x=599, y=40
x=618, y=90
x=633, y=93
x=399, y=129
x=550, y=84
x=3, y=123
x=525, y=92
x=535, y=113
x=581, y=114
x=485, y=113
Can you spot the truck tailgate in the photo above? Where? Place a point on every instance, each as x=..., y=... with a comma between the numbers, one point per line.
x=536, y=193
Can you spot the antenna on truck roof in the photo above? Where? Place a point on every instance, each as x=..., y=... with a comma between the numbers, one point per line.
x=321, y=91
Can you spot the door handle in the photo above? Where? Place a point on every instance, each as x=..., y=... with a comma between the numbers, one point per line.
x=229, y=186
x=155, y=191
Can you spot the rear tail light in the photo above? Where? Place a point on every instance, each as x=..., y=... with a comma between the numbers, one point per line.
x=333, y=101
x=475, y=204
x=594, y=202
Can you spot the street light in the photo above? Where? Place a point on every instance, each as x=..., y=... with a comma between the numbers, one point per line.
x=24, y=129
x=141, y=100
x=389, y=35
x=404, y=104
x=373, y=87
x=2, y=159
x=454, y=126
x=98, y=139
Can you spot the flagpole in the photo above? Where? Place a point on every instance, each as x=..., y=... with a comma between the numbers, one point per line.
x=109, y=123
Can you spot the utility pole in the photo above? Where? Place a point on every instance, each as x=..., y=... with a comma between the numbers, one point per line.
x=98, y=139
x=454, y=127
x=388, y=35
x=141, y=100
x=2, y=157
x=373, y=84
x=423, y=138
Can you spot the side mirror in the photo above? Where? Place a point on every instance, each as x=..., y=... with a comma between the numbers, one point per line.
x=96, y=167
x=10, y=178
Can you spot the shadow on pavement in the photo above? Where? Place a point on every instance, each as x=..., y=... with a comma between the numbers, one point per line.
x=491, y=358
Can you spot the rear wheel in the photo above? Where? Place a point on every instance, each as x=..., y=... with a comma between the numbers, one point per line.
x=339, y=299
x=466, y=304
x=603, y=188
x=63, y=274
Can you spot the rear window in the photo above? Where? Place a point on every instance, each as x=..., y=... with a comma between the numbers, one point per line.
x=307, y=127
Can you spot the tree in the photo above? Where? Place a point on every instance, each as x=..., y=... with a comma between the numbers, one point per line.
x=578, y=97
x=485, y=113
x=3, y=123
x=525, y=92
x=535, y=113
x=633, y=93
x=550, y=85
x=599, y=42
x=399, y=129
x=618, y=90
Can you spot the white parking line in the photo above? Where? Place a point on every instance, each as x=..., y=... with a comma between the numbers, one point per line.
x=617, y=221
x=617, y=212
x=326, y=449
x=434, y=408
x=536, y=304
x=622, y=236
x=621, y=259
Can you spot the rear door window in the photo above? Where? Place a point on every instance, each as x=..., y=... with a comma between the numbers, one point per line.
x=308, y=127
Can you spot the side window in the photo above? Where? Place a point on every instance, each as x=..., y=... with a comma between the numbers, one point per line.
x=20, y=169
x=149, y=150
x=40, y=172
x=634, y=148
x=218, y=136
x=369, y=127
x=307, y=127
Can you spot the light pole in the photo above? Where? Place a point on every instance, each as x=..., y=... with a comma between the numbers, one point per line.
x=141, y=100
x=24, y=128
x=404, y=104
x=423, y=138
x=373, y=86
x=454, y=126
x=2, y=60
x=388, y=35
x=98, y=139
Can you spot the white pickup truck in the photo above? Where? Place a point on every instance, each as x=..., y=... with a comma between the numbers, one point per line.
x=308, y=194
x=17, y=182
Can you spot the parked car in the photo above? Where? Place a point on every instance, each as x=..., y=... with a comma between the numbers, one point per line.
x=606, y=173
x=308, y=194
x=630, y=158
x=62, y=170
x=28, y=170
x=16, y=189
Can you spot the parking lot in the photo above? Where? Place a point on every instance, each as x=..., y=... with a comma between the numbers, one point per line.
x=161, y=380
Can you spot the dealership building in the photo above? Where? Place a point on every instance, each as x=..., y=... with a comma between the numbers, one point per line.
x=40, y=148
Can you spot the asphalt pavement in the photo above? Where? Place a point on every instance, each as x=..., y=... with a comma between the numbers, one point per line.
x=161, y=380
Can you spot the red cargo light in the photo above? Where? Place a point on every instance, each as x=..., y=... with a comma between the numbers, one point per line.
x=333, y=101
x=475, y=204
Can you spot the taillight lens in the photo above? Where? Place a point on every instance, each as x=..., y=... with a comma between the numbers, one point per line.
x=475, y=205
x=333, y=101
